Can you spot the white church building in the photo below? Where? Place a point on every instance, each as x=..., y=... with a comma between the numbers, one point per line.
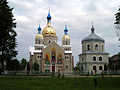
x=93, y=55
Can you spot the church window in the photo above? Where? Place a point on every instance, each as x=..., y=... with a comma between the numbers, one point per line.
x=96, y=46
x=66, y=66
x=67, y=57
x=100, y=58
x=53, y=55
x=40, y=57
x=94, y=58
x=36, y=41
x=48, y=41
x=66, y=43
x=94, y=67
x=39, y=42
x=82, y=59
x=100, y=67
x=59, y=59
x=47, y=59
x=88, y=47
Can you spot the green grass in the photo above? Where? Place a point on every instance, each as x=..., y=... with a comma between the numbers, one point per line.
x=53, y=83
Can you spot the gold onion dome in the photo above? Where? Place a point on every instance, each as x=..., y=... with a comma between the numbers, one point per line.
x=39, y=35
x=49, y=30
x=66, y=37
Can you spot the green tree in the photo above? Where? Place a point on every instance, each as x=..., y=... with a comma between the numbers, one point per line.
x=35, y=66
x=23, y=64
x=77, y=66
x=117, y=19
x=13, y=65
x=117, y=23
x=7, y=34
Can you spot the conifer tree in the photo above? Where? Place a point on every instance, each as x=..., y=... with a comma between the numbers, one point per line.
x=117, y=23
x=117, y=19
x=7, y=34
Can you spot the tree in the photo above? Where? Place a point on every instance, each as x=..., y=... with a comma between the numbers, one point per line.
x=77, y=66
x=7, y=34
x=23, y=64
x=13, y=65
x=117, y=23
x=105, y=67
x=35, y=66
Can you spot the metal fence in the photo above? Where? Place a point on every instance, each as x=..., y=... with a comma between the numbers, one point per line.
x=39, y=73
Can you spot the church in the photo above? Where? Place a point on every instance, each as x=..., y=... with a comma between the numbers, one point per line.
x=51, y=56
x=93, y=57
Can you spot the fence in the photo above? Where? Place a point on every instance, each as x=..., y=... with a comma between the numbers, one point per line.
x=39, y=73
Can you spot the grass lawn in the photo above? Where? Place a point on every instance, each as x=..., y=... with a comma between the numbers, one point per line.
x=54, y=83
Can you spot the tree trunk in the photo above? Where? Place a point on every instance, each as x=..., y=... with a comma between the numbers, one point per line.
x=2, y=62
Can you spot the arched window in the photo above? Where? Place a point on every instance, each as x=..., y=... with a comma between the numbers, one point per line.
x=100, y=58
x=48, y=41
x=67, y=57
x=66, y=66
x=39, y=42
x=66, y=43
x=96, y=46
x=88, y=47
x=100, y=67
x=53, y=55
x=35, y=41
x=82, y=59
x=94, y=67
x=38, y=56
x=94, y=58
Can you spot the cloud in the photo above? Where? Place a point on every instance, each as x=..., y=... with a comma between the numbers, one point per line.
x=77, y=13
x=22, y=19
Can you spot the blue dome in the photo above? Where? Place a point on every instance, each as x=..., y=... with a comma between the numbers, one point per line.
x=49, y=17
x=39, y=28
x=93, y=37
x=65, y=30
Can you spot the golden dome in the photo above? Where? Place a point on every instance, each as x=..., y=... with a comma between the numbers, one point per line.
x=65, y=37
x=39, y=36
x=49, y=30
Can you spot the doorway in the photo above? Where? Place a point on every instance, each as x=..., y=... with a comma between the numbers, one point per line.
x=53, y=67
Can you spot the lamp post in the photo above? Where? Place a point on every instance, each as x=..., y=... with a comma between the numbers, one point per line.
x=41, y=65
x=75, y=75
x=47, y=68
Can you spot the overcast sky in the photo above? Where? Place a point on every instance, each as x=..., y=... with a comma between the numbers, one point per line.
x=78, y=14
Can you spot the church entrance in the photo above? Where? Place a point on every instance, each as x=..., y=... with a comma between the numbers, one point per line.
x=53, y=67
